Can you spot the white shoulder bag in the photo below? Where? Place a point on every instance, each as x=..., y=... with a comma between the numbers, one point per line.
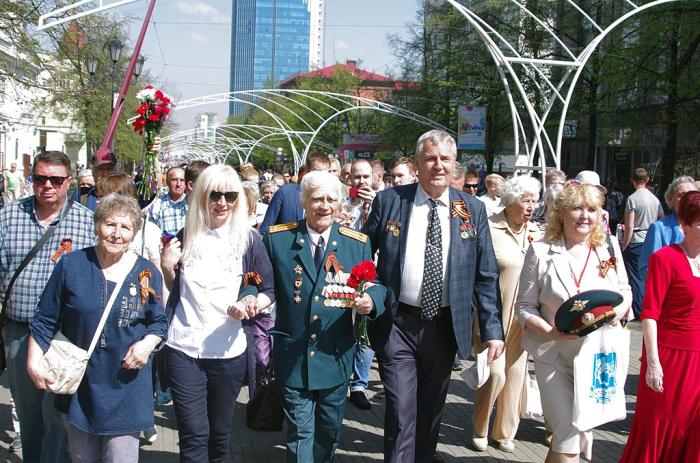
x=65, y=362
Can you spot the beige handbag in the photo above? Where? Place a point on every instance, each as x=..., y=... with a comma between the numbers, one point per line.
x=65, y=362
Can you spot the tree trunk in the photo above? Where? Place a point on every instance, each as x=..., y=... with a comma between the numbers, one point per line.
x=668, y=156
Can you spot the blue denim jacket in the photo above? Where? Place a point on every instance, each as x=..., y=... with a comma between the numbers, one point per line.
x=110, y=400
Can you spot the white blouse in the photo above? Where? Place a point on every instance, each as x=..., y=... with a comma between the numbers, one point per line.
x=209, y=284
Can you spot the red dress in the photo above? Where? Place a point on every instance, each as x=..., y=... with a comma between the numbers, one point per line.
x=666, y=426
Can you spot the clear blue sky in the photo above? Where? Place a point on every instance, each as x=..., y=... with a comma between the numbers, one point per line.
x=188, y=47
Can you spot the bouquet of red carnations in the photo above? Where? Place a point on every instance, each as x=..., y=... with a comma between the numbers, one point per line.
x=152, y=113
x=361, y=274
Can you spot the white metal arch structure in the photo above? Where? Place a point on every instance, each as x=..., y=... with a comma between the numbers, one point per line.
x=231, y=139
x=306, y=112
x=77, y=10
x=508, y=59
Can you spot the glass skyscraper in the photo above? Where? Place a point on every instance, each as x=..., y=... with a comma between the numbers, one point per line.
x=270, y=40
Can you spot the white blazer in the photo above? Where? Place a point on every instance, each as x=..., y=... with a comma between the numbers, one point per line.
x=546, y=282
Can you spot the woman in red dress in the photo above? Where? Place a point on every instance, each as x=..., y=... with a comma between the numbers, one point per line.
x=666, y=425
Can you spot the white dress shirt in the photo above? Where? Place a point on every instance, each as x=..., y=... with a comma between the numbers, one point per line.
x=209, y=284
x=314, y=235
x=414, y=257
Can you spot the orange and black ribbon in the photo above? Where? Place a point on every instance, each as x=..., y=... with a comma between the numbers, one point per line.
x=145, y=285
x=255, y=277
x=332, y=263
x=606, y=265
x=459, y=209
x=66, y=246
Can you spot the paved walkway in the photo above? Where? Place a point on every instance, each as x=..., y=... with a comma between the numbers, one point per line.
x=363, y=430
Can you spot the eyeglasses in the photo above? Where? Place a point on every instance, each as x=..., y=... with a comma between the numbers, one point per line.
x=230, y=196
x=472, y=186
x=55, y=180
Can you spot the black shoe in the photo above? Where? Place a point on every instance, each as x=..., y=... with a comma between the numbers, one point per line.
x=358, y=399
x=15, y=445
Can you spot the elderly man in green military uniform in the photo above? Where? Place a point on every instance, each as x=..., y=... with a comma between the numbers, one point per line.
x=313, y=333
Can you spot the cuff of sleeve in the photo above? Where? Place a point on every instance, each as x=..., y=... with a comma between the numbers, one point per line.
x=249, y=290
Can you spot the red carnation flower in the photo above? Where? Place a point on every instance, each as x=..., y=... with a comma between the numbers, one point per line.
x=153, y=117
x=143, y=108
x=165, y=110
x=165, y=100
x=364, y=271
x=159, y=94
x=148, y=87
x=353, y=282
x=158, y=109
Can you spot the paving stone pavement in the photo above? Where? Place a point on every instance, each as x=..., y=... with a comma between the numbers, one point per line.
x=363, y=430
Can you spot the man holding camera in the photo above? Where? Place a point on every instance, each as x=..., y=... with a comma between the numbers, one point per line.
x=354, y=212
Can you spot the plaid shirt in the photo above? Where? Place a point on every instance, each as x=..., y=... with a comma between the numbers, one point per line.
x=19, y=231
x=168, y=214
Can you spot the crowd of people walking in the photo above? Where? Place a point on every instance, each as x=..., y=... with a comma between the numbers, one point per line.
x=233, y=277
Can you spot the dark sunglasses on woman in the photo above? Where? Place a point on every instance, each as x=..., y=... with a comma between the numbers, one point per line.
x=230, y=196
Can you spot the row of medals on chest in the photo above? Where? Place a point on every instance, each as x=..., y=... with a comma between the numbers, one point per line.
x=336, y=292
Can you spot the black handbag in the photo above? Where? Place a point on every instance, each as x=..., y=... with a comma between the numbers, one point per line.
x=264, y=411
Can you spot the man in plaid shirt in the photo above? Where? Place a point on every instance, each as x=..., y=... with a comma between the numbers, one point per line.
x=22, y=224
x=168, y=211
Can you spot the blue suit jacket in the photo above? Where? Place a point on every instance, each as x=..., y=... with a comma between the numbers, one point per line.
x=285, y=207
x=473, y=267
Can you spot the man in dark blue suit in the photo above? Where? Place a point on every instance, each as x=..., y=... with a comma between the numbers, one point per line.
x=435, y=256
x=285, y=206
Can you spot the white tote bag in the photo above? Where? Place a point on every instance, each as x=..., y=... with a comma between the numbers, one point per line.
x=600, y=372
x=530, y=400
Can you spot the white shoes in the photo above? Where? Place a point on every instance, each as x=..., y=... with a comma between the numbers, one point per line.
x=480, y=443
x=507, y=446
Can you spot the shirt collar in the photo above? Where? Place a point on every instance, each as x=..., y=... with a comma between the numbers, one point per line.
x=422, y=197
x=313, y=235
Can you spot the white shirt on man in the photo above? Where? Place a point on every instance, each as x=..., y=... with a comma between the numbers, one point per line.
x=414, y=258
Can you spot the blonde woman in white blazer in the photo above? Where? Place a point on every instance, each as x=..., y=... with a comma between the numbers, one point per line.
x=568, y=260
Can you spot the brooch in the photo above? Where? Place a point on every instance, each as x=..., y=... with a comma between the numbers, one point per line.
x=65, y=246
x=145, y=286
x=460, y=209
x=332, y=263
x=606, y=265
x=253, y=277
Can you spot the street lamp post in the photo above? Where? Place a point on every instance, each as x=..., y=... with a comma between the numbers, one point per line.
x=139, y=66
x=115, y=48
x=91, y=63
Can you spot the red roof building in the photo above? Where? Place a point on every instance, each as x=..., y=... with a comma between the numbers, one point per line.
x=372, y=85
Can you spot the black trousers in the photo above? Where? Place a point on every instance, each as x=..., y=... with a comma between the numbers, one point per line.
x=204, y=395
x=415, y=367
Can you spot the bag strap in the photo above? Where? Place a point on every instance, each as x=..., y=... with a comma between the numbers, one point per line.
x=31, y=254
x=105, y=314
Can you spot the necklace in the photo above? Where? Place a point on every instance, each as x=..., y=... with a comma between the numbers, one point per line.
x=577, y=282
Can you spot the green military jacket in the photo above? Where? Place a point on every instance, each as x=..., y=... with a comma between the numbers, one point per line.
x=313, y=333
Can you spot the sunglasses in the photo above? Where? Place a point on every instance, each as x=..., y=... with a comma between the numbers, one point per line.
x=55, y=180
x=230, y=196
x=472, y=186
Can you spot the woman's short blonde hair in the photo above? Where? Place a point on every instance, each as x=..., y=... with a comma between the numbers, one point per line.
x=570, y=197
x=115, y=203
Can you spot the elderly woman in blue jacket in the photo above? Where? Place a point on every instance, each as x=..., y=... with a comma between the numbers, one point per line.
x=113, y=403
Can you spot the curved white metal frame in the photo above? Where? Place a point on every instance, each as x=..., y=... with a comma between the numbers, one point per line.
x=296, y=103
x=238, y=139
x=505, y=56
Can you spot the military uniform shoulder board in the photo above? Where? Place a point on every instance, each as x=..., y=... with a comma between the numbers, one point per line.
x=354, y=234
x=282, y=227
